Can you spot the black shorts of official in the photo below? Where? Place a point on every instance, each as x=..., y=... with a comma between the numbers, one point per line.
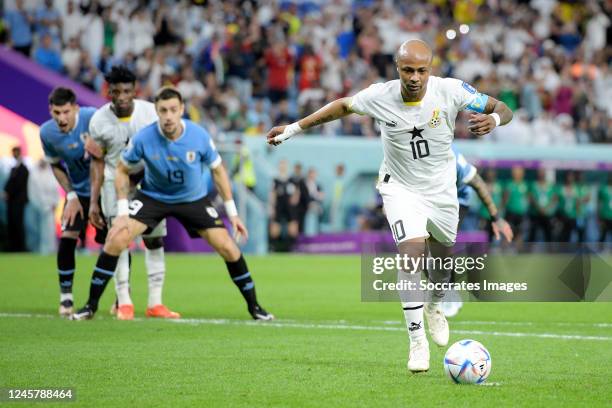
x=516, y=221
x=195, y=216
x=285, y=213
x=80, y=223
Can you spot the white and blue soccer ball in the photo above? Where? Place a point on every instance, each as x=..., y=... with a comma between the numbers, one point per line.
x=467, y=362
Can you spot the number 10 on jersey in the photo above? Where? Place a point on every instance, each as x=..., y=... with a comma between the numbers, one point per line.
x=420, y=149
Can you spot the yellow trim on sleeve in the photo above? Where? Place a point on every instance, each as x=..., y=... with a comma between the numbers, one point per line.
x=351, y=107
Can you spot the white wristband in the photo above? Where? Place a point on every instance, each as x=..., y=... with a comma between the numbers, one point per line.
x=495, y=117
x=71, y=196
x=230, y=208
x=290, y=130
x=123, y=207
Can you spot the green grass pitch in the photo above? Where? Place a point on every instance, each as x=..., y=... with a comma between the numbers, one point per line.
x=327, y=348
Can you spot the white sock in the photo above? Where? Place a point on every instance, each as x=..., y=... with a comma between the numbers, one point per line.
x=156, y=272
x=413, y=311
x=65, y=296
x=122, y=279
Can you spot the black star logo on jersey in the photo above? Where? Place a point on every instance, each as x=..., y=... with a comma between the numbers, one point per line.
x=416, y=132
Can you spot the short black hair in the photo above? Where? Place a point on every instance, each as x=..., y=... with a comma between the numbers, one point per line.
x=61, y=96
x=120, y=74
x=168, y=92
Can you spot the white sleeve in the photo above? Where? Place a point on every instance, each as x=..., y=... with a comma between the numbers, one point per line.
x=52, y=159
x=96, y=127
x=465, y=95
x=361, y=102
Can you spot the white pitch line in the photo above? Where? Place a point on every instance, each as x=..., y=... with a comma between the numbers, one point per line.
x=327, y=326
x=282, y=324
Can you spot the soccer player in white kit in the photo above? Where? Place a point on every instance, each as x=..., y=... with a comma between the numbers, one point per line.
x=111, y=128
x=417, y=179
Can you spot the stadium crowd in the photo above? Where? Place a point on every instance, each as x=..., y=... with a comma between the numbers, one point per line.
x=245, y=65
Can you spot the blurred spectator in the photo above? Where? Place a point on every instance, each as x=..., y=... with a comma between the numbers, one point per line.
x=16, y=195
x=92, y=39
x=373, y=218
x=515, y=202
x=258, y=120
x=604, y=204
x=284, y=196
x=19, y=21
x=48, y=21
x=47, y=56
x=88, y=73
x=279, y=62
x=301, y=205
x=568, y=204
x=283, y=116
x=72, y=23
x=142, y=30
x=164, y=29
x=243, y=169
x=192, y=90
x=71, y=58
x=543, y=201
x=583, y=199
x=567, y=134
x=43, y=197
x=240, y=60
x=335, y=208
x=598, y=23
x=312, y=221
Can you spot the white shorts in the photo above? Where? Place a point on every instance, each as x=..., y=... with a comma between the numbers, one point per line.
x=109, y=208
x=413, y=215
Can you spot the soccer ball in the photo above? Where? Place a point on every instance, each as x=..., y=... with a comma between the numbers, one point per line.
x=467, y=362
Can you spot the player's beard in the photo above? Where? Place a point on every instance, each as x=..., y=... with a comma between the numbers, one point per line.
x=170, y=129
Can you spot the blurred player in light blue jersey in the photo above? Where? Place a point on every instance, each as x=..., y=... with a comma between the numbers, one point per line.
x=62, y=140
x=469, y=181
x=175, y=153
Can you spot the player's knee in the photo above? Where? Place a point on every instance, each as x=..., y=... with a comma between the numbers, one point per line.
x=413, y=249
x=70, y=234
x=117, y=241
x=153, y=243
x=228, y=250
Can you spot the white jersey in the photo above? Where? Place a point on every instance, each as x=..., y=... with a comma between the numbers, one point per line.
x=417, y=136
x=113, y=134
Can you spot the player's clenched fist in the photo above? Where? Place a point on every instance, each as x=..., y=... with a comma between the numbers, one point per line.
x=481, y=124
x=275, y=131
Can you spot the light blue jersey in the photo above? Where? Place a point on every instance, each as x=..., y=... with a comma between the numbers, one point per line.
x=70, y=148
x=173, y=169
x=465, y=174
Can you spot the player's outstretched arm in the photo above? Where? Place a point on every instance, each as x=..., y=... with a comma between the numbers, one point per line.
x=496, y=113
x=224, y=188
x=73, y=205
x=499, y=225
x=332, y=111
